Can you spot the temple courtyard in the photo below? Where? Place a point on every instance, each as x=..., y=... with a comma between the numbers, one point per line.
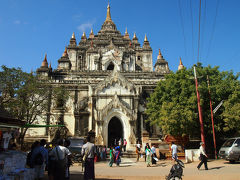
x=129, y=169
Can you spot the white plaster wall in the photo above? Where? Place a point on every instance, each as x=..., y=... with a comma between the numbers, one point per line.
x=73, y=58
x=116, y=88
x=69, y=120
x=37, y=131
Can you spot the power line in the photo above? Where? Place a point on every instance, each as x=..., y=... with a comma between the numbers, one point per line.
x=199, y=28
x=182, y=25
x=203, y=37
x=191, y=15
x=213, y=29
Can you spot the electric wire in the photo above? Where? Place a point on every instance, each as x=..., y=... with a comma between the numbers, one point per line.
x=191, y=16
x=182, y=25
x=213, y=29
x=203, y=37
x=199, y=29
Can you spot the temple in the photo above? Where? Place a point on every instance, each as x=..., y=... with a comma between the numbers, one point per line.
x=109, y=77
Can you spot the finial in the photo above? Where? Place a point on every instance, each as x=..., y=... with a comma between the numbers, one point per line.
x=108, y=18
x=126, y=32
x=134, y=35
x=73, y=36
x=180, y=61
x=50, y=67
x=145, y=39
x=91, y=35
x=65, y=53
x=159, y=54
x=180, y=66
x=45, y=58
x=84, y=34
x=45, y=63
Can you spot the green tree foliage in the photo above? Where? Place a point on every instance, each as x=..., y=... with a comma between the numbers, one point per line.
x=22, y=95
x=173, y=105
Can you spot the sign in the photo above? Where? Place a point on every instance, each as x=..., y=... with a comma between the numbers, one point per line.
x=218, y=106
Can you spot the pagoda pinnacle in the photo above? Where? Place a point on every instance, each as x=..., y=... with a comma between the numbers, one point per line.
x=126, y=35
x=45, y=63
x=65, y=53
x=159, y=54
x=73, y=36
x=91, y=35
x=180, y=66
x=108, y=18
x=145, y=39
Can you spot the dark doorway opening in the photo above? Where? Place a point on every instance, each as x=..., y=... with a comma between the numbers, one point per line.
x=110, y=66
x=115, y=131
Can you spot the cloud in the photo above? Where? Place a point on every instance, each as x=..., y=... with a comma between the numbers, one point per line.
x=85, y=26
x=17, y=22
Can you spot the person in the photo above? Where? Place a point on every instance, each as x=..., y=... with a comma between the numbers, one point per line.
x=59, y=155
x=111, y=157
x=145, y=150
x=117, y=155
x=148, y=155
x=39, y=159
x=6, y=138
x=88, y=152
x=203, y=157
x=138, y=150
x=67, y=143
x=51, y=162
x=124, y=145
x=174, y=151
x=153, y=149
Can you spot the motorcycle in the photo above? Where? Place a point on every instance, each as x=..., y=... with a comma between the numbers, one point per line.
x=176, y=171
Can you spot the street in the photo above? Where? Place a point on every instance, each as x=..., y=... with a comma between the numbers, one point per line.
x=129, y=169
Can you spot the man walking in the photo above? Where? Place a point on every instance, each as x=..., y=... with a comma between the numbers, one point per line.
x=88, y=152
x=203, y=157
x=174, y=151
x=39, y=159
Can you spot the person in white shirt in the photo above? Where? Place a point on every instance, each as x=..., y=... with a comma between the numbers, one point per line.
x=203, y=156
x=6, y=138
x=174, y=151
x=59, y=154
x=88, y=152
x=154, y=156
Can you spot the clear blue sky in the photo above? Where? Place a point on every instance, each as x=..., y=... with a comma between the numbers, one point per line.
x=31, y=28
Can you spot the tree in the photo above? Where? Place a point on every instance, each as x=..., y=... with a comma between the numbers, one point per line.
x=173, y=105
x=23, y=95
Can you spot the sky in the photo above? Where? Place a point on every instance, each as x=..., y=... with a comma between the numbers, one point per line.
x=31, y=28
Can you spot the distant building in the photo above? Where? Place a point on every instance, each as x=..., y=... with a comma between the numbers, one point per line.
x=109, y=77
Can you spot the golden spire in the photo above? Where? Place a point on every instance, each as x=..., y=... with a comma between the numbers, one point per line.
x=50, y=66
x=45, y=63
x=108, y=18
x=180, y=66
x=134, y=35
x=159, y=54
x=145, y=39
x=180, y=61
x=126, y=32
x=73, y=36
x=91, y=35
x=65, y=53
x=84, y=34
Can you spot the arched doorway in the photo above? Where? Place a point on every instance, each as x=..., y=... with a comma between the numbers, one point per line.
x=115, y=131
x=110, y=66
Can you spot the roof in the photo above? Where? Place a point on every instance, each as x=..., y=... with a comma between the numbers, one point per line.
x=7, y=120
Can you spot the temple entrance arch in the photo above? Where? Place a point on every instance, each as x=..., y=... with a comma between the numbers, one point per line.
x=115, y=131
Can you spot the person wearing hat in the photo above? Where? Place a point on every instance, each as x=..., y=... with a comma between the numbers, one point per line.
x=203, y=157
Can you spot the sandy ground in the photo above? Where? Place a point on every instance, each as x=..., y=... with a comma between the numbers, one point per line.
x=129, y=169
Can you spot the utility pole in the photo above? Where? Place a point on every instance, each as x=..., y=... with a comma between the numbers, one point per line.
x=199, y=107
x=214, y=139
